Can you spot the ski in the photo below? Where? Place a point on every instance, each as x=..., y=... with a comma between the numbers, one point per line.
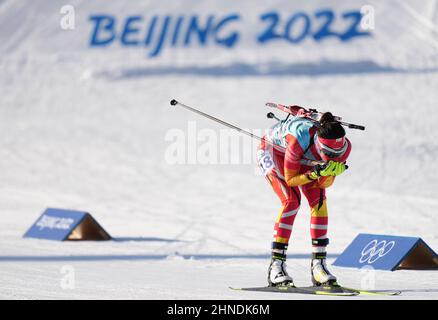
x=361, y=291
x=311, y=114
x=323, y=290
x=376, y=292
x=328, y=291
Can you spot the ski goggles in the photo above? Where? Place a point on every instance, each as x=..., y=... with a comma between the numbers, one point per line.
x=334, y=149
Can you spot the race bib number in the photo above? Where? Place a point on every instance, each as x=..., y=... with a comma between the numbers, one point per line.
x=266, y=163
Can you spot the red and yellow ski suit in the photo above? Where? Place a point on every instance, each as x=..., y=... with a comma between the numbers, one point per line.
x=286, y=170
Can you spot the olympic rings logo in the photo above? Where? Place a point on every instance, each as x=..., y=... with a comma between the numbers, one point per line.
x=376, y=250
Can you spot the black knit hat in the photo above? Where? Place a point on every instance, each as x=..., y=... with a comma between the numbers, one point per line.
x=330, y=128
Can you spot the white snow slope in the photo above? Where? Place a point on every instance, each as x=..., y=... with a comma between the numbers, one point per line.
x=85, y=128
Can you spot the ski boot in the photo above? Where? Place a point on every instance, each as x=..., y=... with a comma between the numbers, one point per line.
x=277, y=274
x=321, y=276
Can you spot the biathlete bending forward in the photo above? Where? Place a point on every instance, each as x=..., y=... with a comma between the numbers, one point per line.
x=284, y=157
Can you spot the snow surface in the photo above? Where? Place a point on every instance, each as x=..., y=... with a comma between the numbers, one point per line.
x=85, y=129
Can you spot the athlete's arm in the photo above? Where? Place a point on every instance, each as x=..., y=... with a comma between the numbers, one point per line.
x=292, y=164
x=325, y=182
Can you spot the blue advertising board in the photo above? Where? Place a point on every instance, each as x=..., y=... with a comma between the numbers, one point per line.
x=385, y=252
x=59, y=224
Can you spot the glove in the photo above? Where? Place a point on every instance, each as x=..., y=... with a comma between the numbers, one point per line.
x=332, y=168
x=339, y=169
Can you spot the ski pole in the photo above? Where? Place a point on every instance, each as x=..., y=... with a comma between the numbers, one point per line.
x=229, y=125
x=174, y=102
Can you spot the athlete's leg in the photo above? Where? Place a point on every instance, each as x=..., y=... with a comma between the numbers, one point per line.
x=290, y=199
x=318, y=231
x=318, y=216
x=272, y=164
